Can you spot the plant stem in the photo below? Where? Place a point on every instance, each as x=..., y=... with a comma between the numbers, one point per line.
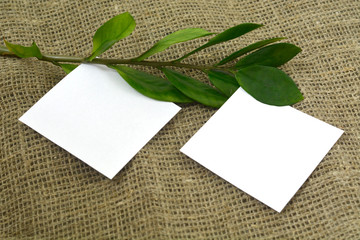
x=70, y=59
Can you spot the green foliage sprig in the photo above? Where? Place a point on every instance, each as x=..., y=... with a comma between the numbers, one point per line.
x=256, y=73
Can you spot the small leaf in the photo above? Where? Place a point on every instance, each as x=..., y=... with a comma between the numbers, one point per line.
x=110, y=32
x=269, y=85
x=173, y=38
x=224, y=36
x=273, y=55
x=195, y=89
x=248, y=49
x=151, y=86
x=224, y=81
x=67, y=67
x=24, y=52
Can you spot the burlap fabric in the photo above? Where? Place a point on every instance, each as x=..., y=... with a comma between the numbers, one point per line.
x=46, y=193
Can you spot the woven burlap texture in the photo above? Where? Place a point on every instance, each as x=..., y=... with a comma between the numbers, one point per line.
x=46, y=193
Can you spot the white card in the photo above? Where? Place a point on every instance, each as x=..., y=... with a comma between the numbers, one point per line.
x=96, y=116
x=264, y=150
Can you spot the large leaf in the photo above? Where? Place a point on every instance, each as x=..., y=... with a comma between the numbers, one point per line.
x=224, y=36
x=224, y=81
x=173, y=38
x=273, y=55
x=248, y=49
x=195, y=89
x=110, y=32
x=67, y=67
x=151, y=86
x=24, y=52
x=269, y=85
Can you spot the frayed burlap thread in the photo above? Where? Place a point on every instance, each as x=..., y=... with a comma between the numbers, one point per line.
x=46, y=193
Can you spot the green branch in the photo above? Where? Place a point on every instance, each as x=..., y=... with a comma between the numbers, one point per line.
x=256, y=72
x=106, y=61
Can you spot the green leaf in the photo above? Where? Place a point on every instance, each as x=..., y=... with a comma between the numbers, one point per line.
x=195, y=89
x=151, y=86
x=224, y=36
x=67, y=67
x=248, y=49
x=224, y=81
x=173, y=38
x=24, y=52
x=273, y=55
x=110, y=32
x=269, y=85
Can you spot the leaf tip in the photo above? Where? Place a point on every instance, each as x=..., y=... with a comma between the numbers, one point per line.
x=301, y=97
x=6, y=43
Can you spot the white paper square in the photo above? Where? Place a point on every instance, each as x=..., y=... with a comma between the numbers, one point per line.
x=96, y=116
x=266, y=151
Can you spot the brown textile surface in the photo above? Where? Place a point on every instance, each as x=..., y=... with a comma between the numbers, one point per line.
x=46, y=193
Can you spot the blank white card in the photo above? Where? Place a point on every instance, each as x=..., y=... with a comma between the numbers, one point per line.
x=266, y=151
x=96, y=116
